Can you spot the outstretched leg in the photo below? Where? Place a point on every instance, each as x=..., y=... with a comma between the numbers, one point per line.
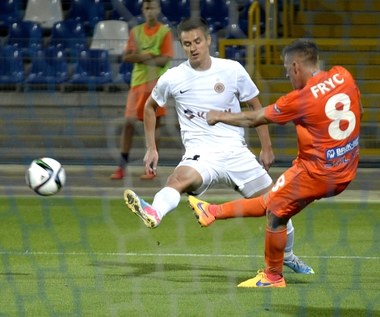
x=207, y=213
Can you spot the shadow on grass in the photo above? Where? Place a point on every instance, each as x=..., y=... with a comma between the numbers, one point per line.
x=172, y=271
x=180, y=272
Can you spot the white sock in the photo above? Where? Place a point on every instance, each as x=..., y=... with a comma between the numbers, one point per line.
x=288, y=256
x=166, y=200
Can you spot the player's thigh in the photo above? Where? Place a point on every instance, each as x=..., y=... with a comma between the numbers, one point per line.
x=292, y=192
x=296, y=188
x=132, y=107
x=206, y=171
x=246, y=174
x=137, y=96
x=256, y=187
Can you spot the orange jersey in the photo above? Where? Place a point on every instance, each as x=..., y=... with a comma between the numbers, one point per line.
x=326, y=113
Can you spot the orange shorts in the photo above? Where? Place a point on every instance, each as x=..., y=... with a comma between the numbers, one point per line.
x=137, y=97
x=296, y=188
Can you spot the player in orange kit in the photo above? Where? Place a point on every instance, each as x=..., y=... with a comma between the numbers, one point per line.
x=326, y=110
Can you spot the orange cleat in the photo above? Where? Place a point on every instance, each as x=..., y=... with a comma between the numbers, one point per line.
x=200, y=208
x=118, y=174
x=147, y=177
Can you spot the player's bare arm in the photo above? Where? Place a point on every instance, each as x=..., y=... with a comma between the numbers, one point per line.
x=156, y=60
x=151, y=155
x=146, y=57
x=136, y=57
x=266, y=156
x=241, y=119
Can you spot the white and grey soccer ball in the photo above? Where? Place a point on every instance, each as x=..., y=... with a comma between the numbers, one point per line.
x=45, y=176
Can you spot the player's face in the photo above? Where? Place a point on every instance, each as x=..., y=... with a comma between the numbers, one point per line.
x=196, y=45
x=151, y=11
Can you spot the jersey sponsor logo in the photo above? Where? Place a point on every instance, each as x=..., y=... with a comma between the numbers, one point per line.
x=189, y=114
x=342, y=150
x=219, y=88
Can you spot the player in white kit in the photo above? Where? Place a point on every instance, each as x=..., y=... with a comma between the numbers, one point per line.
x=213, y=154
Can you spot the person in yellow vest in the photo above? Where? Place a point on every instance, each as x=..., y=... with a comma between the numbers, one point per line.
x=150, y=48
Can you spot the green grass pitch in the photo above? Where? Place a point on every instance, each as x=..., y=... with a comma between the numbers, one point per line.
x=65, y=256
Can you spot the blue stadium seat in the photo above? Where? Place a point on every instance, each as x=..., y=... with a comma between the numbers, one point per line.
x=127, y=10
x=69, y=36
x=175, y=10
x=10, y=12
x=92, y=68
x=107, y=4
x=237, y=53
x=125, y=72
x=25, y=35
x=216, y=13
x=11, y=65
x=88, y=12
x=48, y=67
x=134, y=6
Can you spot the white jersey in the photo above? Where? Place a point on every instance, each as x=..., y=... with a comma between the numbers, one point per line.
x=222, y=87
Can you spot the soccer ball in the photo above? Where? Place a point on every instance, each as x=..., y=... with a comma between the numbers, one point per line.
x=45, y=176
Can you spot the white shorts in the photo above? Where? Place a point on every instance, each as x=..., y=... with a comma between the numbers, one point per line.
x=237, y=168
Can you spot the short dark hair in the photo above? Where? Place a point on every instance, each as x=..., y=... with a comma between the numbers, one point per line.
x=305, y=48
x=189, y=24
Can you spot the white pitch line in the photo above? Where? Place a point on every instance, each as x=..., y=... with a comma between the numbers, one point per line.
x=200, y=255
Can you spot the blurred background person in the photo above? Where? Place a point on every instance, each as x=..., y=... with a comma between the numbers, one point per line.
x=150, y=48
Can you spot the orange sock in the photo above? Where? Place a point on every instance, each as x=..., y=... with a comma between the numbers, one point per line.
x=275, y=242
x=253, y=207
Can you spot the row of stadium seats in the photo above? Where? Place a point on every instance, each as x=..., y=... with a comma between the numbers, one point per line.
x=68, y=40
x=48, y=67
x=90, y=12
x=69, y=36
x=47, y=12
x=87, y=66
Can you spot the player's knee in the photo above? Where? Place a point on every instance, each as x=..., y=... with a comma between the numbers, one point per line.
x=274, y=222
x=129, y=122
x=184, y=179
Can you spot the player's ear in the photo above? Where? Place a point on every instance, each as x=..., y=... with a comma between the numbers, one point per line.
x=295, y=67
x=208, y=39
